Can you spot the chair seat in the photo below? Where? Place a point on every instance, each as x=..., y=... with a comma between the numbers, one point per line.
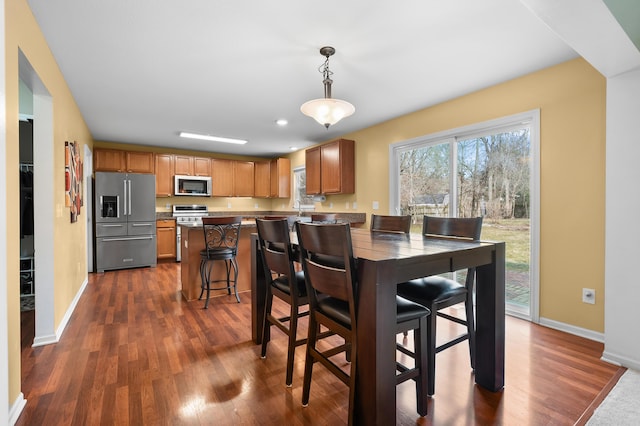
x=217, y=254
x=431, y=289
x=406, y=310
x=282, y=284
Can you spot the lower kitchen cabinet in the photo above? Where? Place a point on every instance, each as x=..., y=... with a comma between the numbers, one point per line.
x=166, y=238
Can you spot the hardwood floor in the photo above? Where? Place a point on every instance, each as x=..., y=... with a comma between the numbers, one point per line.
x=135, y=353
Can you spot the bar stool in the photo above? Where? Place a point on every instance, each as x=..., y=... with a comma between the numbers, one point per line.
x=221, y=235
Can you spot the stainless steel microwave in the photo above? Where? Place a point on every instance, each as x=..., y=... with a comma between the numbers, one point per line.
x=199, y=186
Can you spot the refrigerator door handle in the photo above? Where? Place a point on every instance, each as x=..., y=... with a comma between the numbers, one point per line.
x=129, y=183
x=124, y=183
x=127, y=239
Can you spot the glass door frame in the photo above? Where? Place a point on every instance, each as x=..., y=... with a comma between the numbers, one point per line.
x=528, y=118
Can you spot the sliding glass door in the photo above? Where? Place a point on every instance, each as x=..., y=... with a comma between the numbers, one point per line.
x=487, y=170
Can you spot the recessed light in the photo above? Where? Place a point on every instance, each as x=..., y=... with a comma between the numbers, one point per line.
x=211, y=138
x=293, y=148
x=281, y=122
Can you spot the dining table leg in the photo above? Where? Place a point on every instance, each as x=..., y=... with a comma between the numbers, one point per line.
x=375, y=398
x=490, y=321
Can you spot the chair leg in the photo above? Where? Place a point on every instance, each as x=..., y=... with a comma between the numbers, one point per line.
x=266, y=326
x=309, y=360
x=291, y=350
x=234, y=263
x=471, y=330
x=228, y=268
x=419, y=342
x=208, y=282
x=431, y=352
x=202, y=279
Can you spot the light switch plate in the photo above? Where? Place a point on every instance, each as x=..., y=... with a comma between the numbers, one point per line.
x=376, y=205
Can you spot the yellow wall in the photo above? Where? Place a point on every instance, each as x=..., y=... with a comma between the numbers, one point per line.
x=22, y=32
x=571, y=99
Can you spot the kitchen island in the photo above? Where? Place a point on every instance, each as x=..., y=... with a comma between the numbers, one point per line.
x=192, y=242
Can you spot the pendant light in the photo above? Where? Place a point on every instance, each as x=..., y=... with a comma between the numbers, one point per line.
x=327, y=110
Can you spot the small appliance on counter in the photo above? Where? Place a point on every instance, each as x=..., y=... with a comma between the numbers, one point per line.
x=187, y=214
x=125, y=220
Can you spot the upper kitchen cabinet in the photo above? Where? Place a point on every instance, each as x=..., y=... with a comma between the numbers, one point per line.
x=273, y=178
x=243, y=179
x=330, y=168
x=221, y=177
x=262, y=181
x=230, y=178
x=202, y=166
x=183, y=165
x=280, y=179
x=187, y=165
x=139, y=162
x=115, y=160
x=164, y=175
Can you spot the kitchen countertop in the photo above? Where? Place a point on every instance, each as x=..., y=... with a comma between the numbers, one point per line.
x=249, y=216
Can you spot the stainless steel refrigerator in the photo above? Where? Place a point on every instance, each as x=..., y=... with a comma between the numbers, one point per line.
x=125, y=220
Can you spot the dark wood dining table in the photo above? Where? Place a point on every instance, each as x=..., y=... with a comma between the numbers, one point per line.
x=383, y=260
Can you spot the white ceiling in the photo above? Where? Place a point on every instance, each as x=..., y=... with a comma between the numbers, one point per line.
x=142, y=71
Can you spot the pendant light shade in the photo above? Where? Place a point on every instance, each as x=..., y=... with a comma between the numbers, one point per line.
x=327, y=111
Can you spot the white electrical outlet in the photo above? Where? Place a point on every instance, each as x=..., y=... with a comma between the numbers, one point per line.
x=355, y=205
x=589, y=295
x=376, y=205
x=330, y=205
x=228, y=205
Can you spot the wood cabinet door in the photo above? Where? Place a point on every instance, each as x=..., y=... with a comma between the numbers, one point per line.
x=221, y=177
x=262, y=181
x=337, y=167
x=312, y=170
x=164, y=175
x=108, y=160
x=243, y=178
x=280, y=178
x=202, y=166
x=139, y=162
x=183, y=165
x=166, y=238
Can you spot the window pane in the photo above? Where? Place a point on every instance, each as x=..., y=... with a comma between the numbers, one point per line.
x=424, y=182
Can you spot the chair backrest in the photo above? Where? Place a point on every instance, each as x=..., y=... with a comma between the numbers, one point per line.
x=323, y=218
x=391, y=223
x=221, y=233
x=275, y=246
x=328, y=263
x=460, y=227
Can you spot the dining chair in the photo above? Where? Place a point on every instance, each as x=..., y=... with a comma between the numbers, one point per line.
x=331, y=279
x=382, y=223
x=438, y=293
x=221, y=235
x=324, y=218
x=286, y=284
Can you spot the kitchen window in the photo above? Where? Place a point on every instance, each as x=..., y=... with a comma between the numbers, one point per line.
x=301, y=200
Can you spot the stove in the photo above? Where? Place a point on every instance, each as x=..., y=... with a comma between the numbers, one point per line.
x=187, y=214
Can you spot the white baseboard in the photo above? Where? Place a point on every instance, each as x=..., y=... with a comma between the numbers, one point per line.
x=16, y=409
x=572, y=329
x=620, y=360
x=46, y=340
